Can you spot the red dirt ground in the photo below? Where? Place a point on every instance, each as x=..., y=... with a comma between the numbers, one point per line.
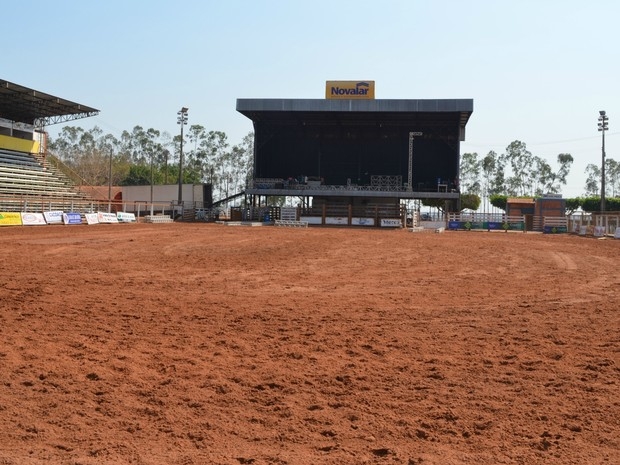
x=210, y=344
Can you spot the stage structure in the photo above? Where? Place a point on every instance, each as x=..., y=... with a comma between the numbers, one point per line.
x=356, y=151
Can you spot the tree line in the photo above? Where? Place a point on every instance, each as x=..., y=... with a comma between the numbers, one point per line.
x=519, y=173
x=144, y=157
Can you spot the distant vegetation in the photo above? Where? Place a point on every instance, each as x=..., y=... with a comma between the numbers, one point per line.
x=143, y=156
x=519, y=173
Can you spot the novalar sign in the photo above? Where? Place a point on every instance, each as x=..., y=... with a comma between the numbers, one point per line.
x=350, y=90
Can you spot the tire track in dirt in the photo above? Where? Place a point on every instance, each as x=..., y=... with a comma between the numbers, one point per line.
x=564, y=261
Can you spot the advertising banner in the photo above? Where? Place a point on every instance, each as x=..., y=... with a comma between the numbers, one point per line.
x=33, y=219
x=10, y=219
x=72, y=218
x=363, y=221
x=337, y=220
x=350, y=90
x=53, y=217
x=103, y=217
x=391, y=223
x=123, y=217
x=312, y=219
x=91, y=218
x=554, y=229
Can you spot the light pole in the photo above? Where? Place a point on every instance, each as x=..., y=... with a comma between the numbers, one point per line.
x=602, y=127
x=182, y=120
x=110, y=184
x=151, y=183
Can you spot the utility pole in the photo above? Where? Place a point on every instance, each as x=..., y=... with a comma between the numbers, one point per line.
x=602, y=127
x=182, y=120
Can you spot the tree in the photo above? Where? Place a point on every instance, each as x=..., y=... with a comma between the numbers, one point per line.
x=543, y=176
x=593, y=173
x=470, y=202
x=499, y=201
x=521, y=161
x=612, y=173
x=470, y=167
x=84, y=155
x=573, y=205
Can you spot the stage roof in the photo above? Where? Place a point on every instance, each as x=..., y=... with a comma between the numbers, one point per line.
x=24, y=105
x=269, y=109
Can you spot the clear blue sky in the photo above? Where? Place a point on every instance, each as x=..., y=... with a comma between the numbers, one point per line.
x=538, y=70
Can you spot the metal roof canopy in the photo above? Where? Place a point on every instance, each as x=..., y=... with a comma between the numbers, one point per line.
x=24, y=105
x=356, y=110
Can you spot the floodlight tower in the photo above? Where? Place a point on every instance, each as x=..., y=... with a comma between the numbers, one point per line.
x=182, y=120
x=602, y=127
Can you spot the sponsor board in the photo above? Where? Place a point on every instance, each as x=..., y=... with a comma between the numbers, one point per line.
x=312, y=219
x=72, y=218
x=33, y=219
x=341, y=220
x=350, y=90
x=53, y=217
x=363, y=221
x=599, y=231
x=617, y=233
x=10, y=219
x=554, y=229
x=487, y=225
x=391, y=223
x=123, y=217
x=91, y=218
x=104, y=217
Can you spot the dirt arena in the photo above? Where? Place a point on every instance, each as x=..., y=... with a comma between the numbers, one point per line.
x=208, y=344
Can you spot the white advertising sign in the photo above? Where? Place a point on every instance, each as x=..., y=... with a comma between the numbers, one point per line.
x=104, y=217
x=123, y=217
x=312, y=219
x=363, y=221
x=337, y=220
x=91, y=218
x=53, y=217
x=33, y=219
x=391, y=223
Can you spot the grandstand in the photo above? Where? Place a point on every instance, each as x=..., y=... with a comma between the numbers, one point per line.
x=27, y=180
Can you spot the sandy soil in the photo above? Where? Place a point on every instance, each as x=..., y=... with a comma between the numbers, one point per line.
x=210, y=344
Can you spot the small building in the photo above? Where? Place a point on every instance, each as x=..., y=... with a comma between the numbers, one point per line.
x=535, y=210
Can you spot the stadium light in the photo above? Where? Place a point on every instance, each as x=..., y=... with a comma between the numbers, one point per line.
x=110, y=184
x=602, y=127
x=182, y=120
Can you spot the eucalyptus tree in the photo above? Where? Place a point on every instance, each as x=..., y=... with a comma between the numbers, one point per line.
x=612, y=173
x=240, y=160
x=520, y=161
x=84, y=154
x=469, y=179
x=593, y=177
x=543, y=179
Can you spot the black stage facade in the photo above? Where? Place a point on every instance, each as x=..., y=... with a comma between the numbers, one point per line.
x=397, y=149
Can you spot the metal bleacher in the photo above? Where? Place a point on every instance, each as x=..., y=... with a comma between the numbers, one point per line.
x=24, y=178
